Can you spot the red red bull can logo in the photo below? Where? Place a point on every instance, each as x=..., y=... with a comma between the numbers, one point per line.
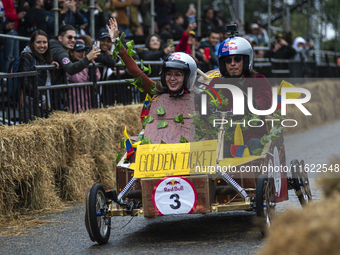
x=229, y=48
x=175, y=56
x=229, y=43
x=173, y=186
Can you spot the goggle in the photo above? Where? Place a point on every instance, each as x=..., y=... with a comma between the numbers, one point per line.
x=176, y=75
x=70, y=37
x=236, y=58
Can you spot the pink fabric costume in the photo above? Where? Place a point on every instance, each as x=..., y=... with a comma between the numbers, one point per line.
x=80, y=97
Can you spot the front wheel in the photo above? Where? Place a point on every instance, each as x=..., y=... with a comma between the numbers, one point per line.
x=100, y=224
x=265, y=202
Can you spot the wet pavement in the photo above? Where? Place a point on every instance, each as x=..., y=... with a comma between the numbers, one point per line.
x=214, y=233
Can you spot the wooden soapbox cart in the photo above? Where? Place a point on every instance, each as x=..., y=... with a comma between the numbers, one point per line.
x=183, y=178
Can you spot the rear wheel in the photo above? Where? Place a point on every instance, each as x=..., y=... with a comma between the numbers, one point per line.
x=300, y=181
x=100, y=224
x=265, y=202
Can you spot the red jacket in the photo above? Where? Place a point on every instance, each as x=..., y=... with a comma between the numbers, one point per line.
x=11, y=12
x=262, y=94
x=183, y=45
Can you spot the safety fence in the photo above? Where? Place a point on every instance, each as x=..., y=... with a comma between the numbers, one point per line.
x=25, y=105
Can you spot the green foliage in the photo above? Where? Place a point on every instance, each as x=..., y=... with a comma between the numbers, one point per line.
x=162, y=124
x=162, y=142
x=118, y=157
x=183, y=140
x=147, y=120
x=179, y=118
x=257, y=152
x=122, y=143
x=217, y=103
x=153, y=89
x=146, y=140
x=160, y=111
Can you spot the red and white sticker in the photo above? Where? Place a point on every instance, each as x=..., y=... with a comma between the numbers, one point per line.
x=174, y=195
x=274, y=170
x=66, y=61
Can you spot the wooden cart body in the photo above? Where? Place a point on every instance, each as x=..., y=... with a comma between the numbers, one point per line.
x=212, y=192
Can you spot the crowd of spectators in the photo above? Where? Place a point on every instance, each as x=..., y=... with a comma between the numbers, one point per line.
x=23, y=17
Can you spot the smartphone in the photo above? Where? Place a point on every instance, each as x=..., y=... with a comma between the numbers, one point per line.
x=170, y=41
x=207, y=53
x=192, y=19
x=96, y=43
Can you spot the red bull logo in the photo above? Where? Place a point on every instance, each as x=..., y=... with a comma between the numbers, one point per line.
x=173, y=183
x=229, y=48
x=229, y=43
x=173, y=186
x=175, y=56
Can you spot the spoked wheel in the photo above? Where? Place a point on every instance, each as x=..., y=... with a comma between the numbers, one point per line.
x=87, y=219
x=99, y=223
x=265, y=202
x=300, y=182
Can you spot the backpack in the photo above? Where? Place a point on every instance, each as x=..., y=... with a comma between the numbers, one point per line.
x=13, y=82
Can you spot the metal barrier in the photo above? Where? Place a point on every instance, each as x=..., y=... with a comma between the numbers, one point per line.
x=73, y=97
x=97, y=94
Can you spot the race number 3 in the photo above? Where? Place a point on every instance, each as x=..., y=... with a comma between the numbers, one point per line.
x=174, y=195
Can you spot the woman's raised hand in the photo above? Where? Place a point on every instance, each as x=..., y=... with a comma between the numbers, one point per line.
x=113, y=28
x=169, y=49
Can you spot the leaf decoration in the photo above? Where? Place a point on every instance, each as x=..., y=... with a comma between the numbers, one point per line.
x=122, y=143
x=162, y=142
x=257, y=152
x=183, y=140
x=146, y=140
x=148, y=120
x=118, y=157
x=153, y=89
x=179, y=118
x=160, y=111
x=162, y=124
x=264, y=139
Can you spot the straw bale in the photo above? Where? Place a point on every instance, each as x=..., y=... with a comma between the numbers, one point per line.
x=323, y=106
x=76, y=177
x=59, y=157
x=313, y=230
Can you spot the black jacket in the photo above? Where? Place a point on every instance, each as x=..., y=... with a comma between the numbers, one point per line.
x=213, y=58
x=25, y=65
x=35, y=19
x=65, y=64
x=153, y=56
x=106, y=60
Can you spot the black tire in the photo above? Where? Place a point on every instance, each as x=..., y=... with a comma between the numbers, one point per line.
x=265, y=192
x=100, y=225
x=299, y=175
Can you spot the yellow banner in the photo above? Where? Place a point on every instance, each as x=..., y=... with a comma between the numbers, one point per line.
x=159, y=160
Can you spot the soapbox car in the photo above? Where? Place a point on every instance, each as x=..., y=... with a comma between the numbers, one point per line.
x=166, y=178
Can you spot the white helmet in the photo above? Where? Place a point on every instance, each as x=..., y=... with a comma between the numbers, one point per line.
x=184, y=62
x=235, y=46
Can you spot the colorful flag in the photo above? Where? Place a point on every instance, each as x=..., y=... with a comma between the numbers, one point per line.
x=130, y=150
x=146, y=107
x=238, y=149
x=289, y=95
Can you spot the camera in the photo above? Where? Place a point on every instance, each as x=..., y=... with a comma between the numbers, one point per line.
x=232, y=29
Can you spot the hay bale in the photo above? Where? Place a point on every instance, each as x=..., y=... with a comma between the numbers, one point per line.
x=323, y=106
x=59, y=157
x=313, y=230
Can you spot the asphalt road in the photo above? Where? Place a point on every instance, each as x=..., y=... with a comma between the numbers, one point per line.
x=215, y=233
